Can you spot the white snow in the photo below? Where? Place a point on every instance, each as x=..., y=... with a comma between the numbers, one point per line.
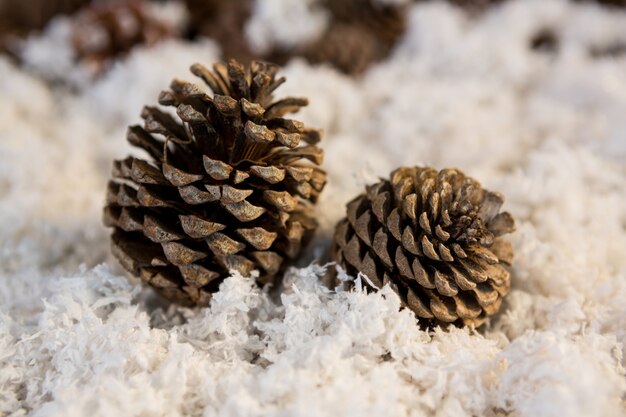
x=284, y=24
x=545, y=129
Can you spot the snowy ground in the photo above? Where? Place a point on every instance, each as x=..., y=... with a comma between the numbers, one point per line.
x=548, y=129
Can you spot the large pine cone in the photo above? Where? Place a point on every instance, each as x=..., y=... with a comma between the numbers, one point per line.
x=435, y=238
x=229, y=186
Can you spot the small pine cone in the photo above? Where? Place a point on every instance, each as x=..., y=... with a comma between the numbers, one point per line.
x=361, y=32
x=21, y=17
x=435, y=238
x=473, y=7
x=229, y=185
x=106, y=30
x=610, y=3
x=350, y=49
x=386, y=22
x=222, y=21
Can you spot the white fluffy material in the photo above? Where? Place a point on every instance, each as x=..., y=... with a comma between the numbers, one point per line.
x=284, y=24
x=545, y=129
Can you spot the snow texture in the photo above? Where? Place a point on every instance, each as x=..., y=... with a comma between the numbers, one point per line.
x=284, y=24
x=545, y=128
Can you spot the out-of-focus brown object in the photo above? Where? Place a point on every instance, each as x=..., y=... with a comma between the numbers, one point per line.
x=108, y=29
x=386, y=21
x=435, y=238
x=545, y=40
x=475, y=6
x=359, y=33
x=19, y=17
x=230, y=184
x=615, y=3
x=223, y=21
x=349, y=48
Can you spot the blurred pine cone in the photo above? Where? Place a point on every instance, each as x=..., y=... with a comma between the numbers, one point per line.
x=611, y=3
x=229, y=185
x=106, y=30
x=435, y=238
x=360, y=33
x=19, y=17
x=349, y=48
x=475, y=6
x=386, y=21
x=224, y=22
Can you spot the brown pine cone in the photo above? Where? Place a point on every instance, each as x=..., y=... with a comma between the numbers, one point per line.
x=435, y=238
x=19, y=17
x=386, y=22
x=229, y=185
x=474, y=7
x=224, y=22
x=360, y=33
x=611, y=3
x=350, y=49
x=106, y=30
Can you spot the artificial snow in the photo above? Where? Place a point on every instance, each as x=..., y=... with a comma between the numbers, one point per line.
x=284, y=24
x=545, y=128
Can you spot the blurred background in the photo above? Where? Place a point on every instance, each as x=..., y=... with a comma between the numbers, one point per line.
x=347, y=34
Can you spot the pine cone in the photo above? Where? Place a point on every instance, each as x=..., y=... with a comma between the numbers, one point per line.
x=610, y=3
x=386, y=22
x=20, y=16
x=434, y=237
x=224, y=22
x=474, y=7
x=106, y=30
x=361, y=32
x=229, y=185
x=350, y=49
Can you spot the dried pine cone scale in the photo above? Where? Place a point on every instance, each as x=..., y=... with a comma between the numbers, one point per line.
x=434, y=237
x=230, y=186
